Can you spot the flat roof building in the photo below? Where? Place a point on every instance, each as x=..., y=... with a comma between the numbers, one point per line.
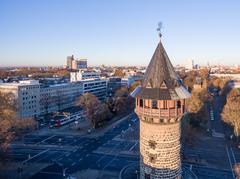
x=27, y=94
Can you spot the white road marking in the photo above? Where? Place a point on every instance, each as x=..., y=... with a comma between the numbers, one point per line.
x=233, y=155
x=52, y=173
x=133, y=146
x=67, y=154
x=45, y=139
x=36, y=155
x=230, y=163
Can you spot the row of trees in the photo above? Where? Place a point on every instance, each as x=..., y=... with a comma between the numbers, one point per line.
x=198, y=108
x=100, y=111
x=10, y=125
x=231, y=110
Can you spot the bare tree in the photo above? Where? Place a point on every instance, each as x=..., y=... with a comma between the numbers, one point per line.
x=96, y=111
x=119, y=72
x=231, y=110
x=123, y=102
x=7, y=114
x=10, y=124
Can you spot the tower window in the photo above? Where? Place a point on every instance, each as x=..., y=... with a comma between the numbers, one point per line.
x=152, y=158
x=165, y=104
x=178, y=104
x=152, y=144
x=154, y=104
x=141, y=102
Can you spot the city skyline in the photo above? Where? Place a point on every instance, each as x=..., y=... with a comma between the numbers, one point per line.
x=116, y=33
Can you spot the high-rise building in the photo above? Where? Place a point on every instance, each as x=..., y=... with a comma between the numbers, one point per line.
x=75, y=64
x=160, y=105
x=190, y=64
x=79, y=64
x=82, y=63
x=70, y=61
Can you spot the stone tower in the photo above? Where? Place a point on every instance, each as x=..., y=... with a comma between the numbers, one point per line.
x=160, y=105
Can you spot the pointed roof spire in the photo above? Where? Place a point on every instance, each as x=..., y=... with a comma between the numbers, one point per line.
x=160, y=70
x=160, y=80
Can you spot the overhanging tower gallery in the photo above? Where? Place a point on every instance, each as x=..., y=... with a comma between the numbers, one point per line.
x=160, y=105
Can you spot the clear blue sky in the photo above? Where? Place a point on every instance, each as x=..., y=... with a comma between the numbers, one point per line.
x=118, y=32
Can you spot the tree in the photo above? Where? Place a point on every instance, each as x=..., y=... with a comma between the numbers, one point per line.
x=22, y=126
x=197, y=107
x=231, y=110
x=96, y=111
x=119, y=72
x=218, y=83
x=204, y=73
x=123, y=103
x=7, y=114
x=189, y=81
x=10, y=125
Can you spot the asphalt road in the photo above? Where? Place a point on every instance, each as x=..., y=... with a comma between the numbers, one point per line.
x=208, y=157
x=69, y=154
x=213, y=156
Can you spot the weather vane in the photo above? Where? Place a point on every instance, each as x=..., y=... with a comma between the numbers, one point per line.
x=159, y=29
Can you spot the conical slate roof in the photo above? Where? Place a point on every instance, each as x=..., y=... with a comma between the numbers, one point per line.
x=160, y=80
x=160, y=71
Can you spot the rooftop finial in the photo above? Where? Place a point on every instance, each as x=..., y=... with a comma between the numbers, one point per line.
x=159, y=29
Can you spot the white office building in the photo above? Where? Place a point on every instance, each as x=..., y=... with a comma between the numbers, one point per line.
x=34, y=99
x=27, y=94
x=91, y=82
x=97, y=87
x=59, y=96
x=83, y=75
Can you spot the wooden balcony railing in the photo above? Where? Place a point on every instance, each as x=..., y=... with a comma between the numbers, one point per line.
x=172, y=112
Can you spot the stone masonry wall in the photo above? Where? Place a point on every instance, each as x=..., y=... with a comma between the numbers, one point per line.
x=160, y=150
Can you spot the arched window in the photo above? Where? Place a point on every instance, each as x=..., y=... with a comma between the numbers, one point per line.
x=141, y=102
x=154, y=104
x=178, y=104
